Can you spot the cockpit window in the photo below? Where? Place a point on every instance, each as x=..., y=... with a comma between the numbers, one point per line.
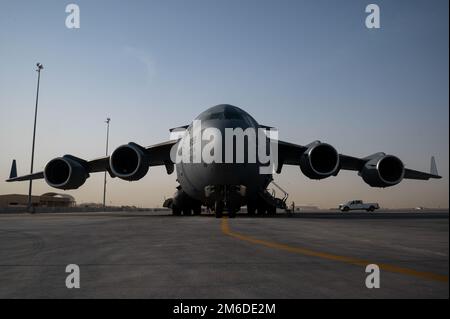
x=214, y=116
x=225, y=112
x=232, y=114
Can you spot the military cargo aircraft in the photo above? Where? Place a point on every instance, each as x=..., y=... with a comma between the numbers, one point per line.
x=227, y=182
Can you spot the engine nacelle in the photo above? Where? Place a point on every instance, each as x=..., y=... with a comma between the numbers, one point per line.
x=383, y=171
x=65, y=173
x=129, y=162
x=320, y=161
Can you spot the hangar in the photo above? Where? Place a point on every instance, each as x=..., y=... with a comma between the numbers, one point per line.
x=45, y=200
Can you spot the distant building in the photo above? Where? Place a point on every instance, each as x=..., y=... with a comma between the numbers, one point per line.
x=45, y=200
x=91, y=205
x=306, y=208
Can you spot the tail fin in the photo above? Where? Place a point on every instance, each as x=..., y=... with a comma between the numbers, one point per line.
x=433, y=168
x=13, y=173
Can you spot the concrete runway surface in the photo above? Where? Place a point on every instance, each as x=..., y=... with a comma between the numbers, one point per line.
x=156, y=255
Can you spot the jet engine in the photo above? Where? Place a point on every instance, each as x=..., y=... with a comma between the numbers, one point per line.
x=65, y=172
x=383, y=171
x=319, y=161
x=129, y=162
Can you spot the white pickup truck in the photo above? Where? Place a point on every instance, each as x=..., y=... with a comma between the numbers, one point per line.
x=358, y=205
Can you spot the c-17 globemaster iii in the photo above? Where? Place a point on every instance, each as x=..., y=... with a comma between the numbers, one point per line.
x=211, y=176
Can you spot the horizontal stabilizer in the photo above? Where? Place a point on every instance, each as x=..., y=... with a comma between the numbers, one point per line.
x=179, y=128
x=266, y=127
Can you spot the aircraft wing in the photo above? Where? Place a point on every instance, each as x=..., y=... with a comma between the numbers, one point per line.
x=412, y=174
x=356, y=164
x=290, y=154
x=159, y=154
x=28, y=177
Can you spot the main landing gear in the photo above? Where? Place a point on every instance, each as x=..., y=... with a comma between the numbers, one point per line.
x=187, y=210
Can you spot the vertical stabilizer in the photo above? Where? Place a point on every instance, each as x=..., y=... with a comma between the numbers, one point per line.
x=433, y=168
x=13, y=173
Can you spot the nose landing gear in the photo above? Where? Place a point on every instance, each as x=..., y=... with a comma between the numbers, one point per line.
x=225, y=198
x=220, y=207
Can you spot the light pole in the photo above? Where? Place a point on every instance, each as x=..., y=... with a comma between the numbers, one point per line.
x=107, y=142
x=38, y=70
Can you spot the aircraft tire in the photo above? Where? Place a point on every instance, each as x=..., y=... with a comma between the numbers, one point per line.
x=218, y=209
x=272, y=210
x=261, y=210
x=197, y=210
x=176, y=211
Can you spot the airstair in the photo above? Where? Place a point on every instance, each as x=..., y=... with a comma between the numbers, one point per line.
x=269, y=196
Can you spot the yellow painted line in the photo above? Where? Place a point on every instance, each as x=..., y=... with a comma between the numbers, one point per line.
x=348, y=260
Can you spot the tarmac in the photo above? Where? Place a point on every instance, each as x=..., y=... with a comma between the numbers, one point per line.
x=156, y=255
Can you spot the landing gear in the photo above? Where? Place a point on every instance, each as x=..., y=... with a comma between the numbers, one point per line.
x=271, y=210
x=225, y=198
x=251, y=209
x=187, y=212
x=183, y=204
x=197, y=209
x=261, y=210
x=176, y=211
x=232, y=213
x=218, y=209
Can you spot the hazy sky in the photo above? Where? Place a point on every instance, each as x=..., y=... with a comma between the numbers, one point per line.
x=310, y=68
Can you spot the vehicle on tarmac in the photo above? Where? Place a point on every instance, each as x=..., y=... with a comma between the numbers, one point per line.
x=358, y=205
